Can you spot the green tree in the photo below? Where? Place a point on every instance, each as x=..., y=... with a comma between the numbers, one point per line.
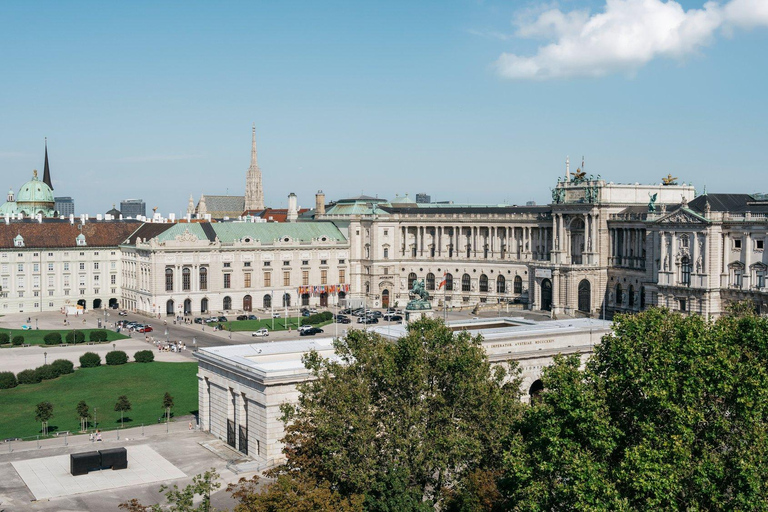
x=123, y=405
x=182, y=500
x=84, y=413
x=670, y=413
x=43, y=413
x=297, y=493
x=167, y=405
x=402, y=422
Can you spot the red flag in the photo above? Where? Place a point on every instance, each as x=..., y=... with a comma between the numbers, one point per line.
x=442, y=283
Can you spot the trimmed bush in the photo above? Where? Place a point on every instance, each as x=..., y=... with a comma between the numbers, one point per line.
x=52, y=338
x=116, y=357
x=4, y=338
x=318, y=318
x=90, y=360
x=18, y=340
x=8, y=380
x=28, y=377
x=144, y=356
x=63, y=366
x=77, y=337
x=98, y=336
x=46, y=372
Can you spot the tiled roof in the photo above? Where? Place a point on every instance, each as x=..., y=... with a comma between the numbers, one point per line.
x=55, y=233
x=266, y=232
x=219, y=207
x=147, y=231
x=722, y=202
x=273, y=214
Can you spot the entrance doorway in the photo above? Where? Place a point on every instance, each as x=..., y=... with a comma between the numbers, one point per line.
x=546, y=295
x=324, y=300
x=585, y=296
x=169, y=308
x=187, y=306
x=82, y=303
x=96, y=303
x=385, y=299
x=113, y=303
x=247, y=303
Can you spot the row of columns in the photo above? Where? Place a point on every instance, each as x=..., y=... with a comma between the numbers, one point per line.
x=562, y=234
x=627, y=246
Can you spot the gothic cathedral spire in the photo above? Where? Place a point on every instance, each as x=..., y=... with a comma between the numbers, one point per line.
x=47, y=169
x=254, y=193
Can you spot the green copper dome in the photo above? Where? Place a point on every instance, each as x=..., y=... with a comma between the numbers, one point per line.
x=35, y=191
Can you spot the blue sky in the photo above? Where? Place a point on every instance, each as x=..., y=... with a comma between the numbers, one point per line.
x=472, y=101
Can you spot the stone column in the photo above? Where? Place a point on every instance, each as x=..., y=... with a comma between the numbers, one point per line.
x=746, y=249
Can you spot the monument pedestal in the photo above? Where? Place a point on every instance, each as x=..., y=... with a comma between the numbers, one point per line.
x=416, y=314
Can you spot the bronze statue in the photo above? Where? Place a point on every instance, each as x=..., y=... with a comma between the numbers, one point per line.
x=669, y=180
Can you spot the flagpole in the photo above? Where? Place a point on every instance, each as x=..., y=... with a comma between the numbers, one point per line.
x=272, y=305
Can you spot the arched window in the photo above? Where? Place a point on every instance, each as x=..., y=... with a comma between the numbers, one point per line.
x=518, y=285
x=169, y=279
x=186, y=282
x=430, y=283
x=685, y=271
x=631, y=296
x=227, y=302
x=483, y=283
x=535, y=391
x=386, y=253
x=449, y=282
x=286, y=300
x=465, y=283
x=204, y=306
x=203, y=278
x=585, y=295
x=411, y=279
x=618, y=294
x=501, y=284
x=267, y=301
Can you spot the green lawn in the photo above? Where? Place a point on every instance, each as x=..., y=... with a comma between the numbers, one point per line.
x=35, y=336
x=255, y=325
x=143, y=383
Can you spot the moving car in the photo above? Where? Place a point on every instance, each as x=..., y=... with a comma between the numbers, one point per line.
x=310, y=332
x=260, y=333
x=122, y=313
x=146, y=328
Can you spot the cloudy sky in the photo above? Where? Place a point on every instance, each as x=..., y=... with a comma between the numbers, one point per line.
x=472, y=101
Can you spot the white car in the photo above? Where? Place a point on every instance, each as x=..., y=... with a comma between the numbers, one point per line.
x=260, y=333
x=275, y=315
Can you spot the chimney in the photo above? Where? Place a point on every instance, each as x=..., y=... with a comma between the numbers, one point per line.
x=293, y=212
x=319, y=203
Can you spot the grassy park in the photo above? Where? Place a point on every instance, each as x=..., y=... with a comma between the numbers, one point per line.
x=35, y=336
x=143, y=383
x=281, y=324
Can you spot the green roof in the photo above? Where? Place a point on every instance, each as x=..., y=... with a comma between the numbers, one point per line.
x=265, y=232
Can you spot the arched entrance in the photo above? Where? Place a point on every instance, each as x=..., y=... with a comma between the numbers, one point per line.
x=324, y=300
x=81, y=303
x=227, y=305
x=247, y=303
x=305, y=299
x=187, y=306
x=585, y=296
x=546, y=295
x=577, y=241
x=96, y=303
x=411, y=279
x=267, y=301
x=286, y=300
x=113, y=303
x=385, y=298
x=204, y=306
x=169, y=307
x=534, y=393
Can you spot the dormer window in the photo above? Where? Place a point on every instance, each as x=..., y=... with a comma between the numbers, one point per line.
x=18, y=241
x=247, y=240
x=80, y=240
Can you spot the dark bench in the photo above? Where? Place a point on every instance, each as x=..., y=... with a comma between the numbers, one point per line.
x=82, y=463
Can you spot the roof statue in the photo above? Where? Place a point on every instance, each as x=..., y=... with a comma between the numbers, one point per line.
x=652, y=202
x=669, y=180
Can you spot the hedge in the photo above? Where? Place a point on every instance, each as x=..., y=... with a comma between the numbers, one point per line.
x=63, y=366
x=77, y=337
x=144, y=356
x=90, y=360
x=4, y=338
x=18, y=340
x=116, y=357
x=100, y=335
x=52, y=338
x=28, y=377
x=46, y=372
x=318, y=318
x=8, y=380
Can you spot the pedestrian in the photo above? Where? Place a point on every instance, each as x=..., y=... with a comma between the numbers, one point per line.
x=90, y=437
x=190, y=425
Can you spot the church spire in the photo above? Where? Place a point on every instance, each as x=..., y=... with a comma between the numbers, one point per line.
x=254, y=194
x=47, y=169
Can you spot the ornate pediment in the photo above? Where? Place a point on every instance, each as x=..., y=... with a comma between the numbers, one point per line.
x=186, y=236
x=683, y=216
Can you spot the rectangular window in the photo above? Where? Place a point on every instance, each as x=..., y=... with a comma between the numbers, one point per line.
x=267, y=263
x=35, y=281
x=50, y=293
x=227, y=280
x=66, y=281
x=66, y=292
x=267, y=279
x=386, y=232
x=20, y=282
x=759, y=244
x=35, y=267
x=82, y=266
x=323, y=262
x=203, y=278
x=323, y=277
x=66, y=266
x=186, y=279
x=50, y=281
x=286, y=279
x=113, y=265
x=305, y=262
x=341, y=262
x=21, y=267
x=247, y=264
x=113, y=279
x=227, y=264
x=247, y=279
x=82, y=280
x=286, y=263
x=305, y=278
x=737, y=243
x=50, y=267
x=95, y=265
x=50, y=254
x=343, y=276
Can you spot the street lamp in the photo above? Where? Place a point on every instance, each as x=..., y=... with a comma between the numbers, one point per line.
x=45, y=355
x=194, y=344
x=113, y=346
x=36, y=324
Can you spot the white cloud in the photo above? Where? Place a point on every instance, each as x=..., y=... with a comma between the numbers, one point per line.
x=625, y=36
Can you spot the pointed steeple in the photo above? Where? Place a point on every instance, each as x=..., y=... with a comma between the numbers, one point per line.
x=254, y=194
x=47, y=169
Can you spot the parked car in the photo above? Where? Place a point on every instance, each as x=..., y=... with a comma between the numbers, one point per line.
x=358, y=312
x=305, y=313
x=345, y=311
x=343, y=320
x=388, y=316
x=242, y=317
x=260, y=333
x=396, y=318
x=367, y=320
x=212, y=319
x=313, y=310
x=275, y=315
x=304, y=327
x=198, y=320
x=310, y=332
x=375, y=314
x=146, y=328
x=122, y=312
x=222, y=319
x=252, y=317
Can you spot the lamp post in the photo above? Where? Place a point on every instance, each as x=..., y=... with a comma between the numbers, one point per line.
x=36, y=324
x=113, y=346
x=45, y=356
x=166, y=335
x=194, y=344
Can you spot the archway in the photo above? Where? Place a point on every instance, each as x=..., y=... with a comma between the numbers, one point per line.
x=546, y=295
x=96, y=303
x=518, y=286
x=430, y=282
x=483, y=283
x=227, y=303
x=267, y=301
x=324, y=300
x=585, y=296
x=305, y=299
x=187, y=306
x=81, y=303
x=385, y=299
x=534, y=392
x=204, y=306
x=113, y=303
x=286, y=300
x=577, y=241
x=169, y=307
x=501, y=284
x=247, y=303
x=411, y=279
